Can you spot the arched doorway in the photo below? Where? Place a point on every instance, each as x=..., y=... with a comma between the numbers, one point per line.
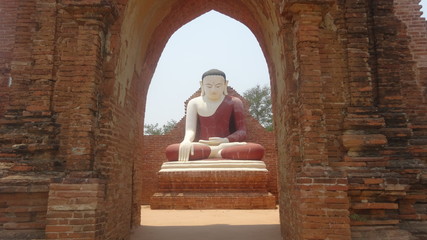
x=147, y=37
x=324, y=93
x=211, y=40
x=348, y=90
x=147, y=26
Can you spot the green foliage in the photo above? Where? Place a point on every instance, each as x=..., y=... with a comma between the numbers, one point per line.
x=154, y=129
x=259, y=99
x=169, y=126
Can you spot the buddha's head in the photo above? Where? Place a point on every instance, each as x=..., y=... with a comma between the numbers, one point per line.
x=214, y=84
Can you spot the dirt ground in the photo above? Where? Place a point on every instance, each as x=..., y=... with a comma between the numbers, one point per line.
x=208, y=225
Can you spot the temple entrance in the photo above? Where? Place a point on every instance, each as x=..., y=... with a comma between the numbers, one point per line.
x=145, y=28
x=348, y=82
x=211, y=41
x=289, y=38
x=175, y=82
x=340, y=104
x=331, y=97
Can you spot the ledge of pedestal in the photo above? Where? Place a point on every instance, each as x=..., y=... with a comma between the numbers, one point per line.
x=214, y=165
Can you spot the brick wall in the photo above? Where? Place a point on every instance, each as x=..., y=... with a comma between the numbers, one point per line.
x=26, y=80
x=370, y=120
x=9, y=11
x=313, y=190
x=23, y=204
x=75, y=208
x=348, y=85
x=155, y=145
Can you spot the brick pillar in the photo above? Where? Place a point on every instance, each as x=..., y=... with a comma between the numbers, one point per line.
x=76, y=202
x=376, y=126
x=317, y=202
x=26, y=66
x=74, y=209
x=80, y=48
x=415, y=98
x=361, y=138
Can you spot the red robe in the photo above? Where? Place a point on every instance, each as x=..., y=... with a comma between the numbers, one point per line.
x=228, y=121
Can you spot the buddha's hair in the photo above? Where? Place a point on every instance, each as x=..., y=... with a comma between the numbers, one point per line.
x=214, y=72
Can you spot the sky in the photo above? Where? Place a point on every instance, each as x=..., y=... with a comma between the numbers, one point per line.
x=212, y=40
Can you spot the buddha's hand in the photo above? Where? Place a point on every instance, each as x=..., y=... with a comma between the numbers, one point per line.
x=215, y=141
x=185, y=149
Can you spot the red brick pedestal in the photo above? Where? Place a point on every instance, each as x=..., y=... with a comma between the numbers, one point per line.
x=218, y=184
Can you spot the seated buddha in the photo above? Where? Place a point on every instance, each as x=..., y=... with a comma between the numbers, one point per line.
x=214, y=125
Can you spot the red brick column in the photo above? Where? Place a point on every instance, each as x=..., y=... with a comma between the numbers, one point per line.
x=74, y=209
x=362, y=138
x=26, y=80
x=80, y=48
x=415, y=97
x=377, y=133
x=76, y=202
x=315, y=203
x=8, y=14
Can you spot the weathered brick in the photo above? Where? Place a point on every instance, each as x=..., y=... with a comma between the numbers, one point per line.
x=73, y=90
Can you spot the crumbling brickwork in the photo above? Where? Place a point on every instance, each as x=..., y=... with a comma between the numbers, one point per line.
x=348, y=80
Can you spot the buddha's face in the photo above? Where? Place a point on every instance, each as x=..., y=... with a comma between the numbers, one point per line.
x=214, y=87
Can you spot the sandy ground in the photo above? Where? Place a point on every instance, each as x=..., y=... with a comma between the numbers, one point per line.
x=208, y=225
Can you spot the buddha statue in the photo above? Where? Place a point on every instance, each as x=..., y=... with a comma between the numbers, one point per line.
x=214, y=125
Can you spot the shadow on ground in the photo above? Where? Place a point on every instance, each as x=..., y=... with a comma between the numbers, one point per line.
x=209, y=232
x=219, y=224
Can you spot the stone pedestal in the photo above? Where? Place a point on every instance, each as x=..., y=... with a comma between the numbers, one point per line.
x=213, y=184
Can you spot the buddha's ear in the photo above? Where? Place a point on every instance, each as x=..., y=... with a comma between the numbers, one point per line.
x=225, y=88
x=202, y=92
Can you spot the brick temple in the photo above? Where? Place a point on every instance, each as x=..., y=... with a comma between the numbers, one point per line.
x=348, y=81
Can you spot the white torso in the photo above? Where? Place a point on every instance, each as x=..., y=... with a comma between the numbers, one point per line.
x=204, y=106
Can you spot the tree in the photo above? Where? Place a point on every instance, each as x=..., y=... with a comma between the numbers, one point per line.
x=154, y=129
x=259, y=99
x=169, y=126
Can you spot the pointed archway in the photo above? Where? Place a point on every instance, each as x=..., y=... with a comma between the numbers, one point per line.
x=279, y=34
